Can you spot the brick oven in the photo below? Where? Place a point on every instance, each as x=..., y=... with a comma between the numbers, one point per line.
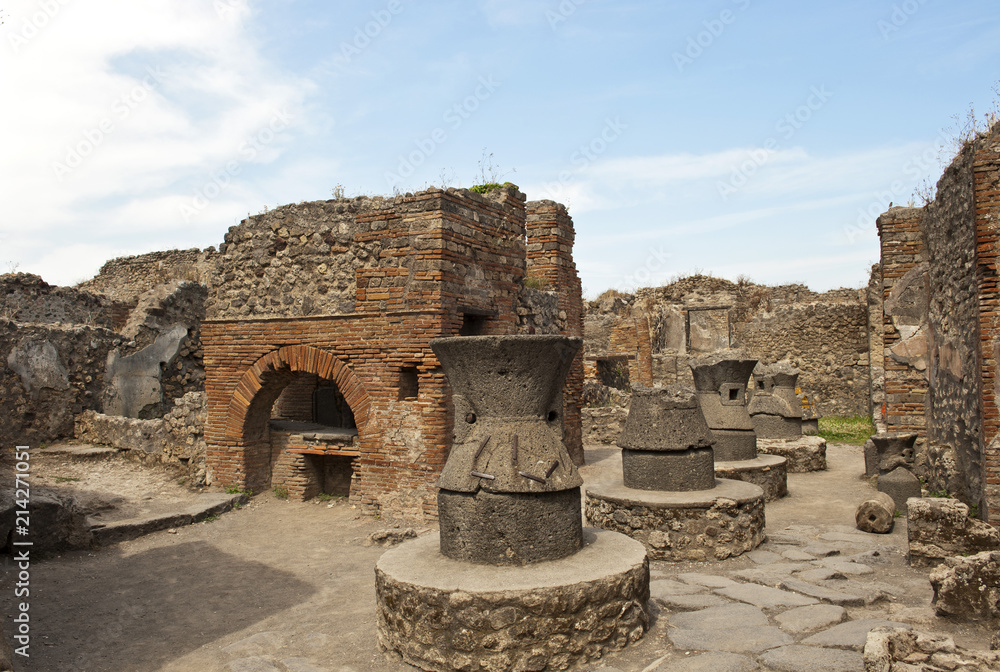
x=319, y=373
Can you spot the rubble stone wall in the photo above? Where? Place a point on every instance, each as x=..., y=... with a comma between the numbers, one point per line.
x=125, y=279
x=177, y=438
x=48, y=374
x=26, y=298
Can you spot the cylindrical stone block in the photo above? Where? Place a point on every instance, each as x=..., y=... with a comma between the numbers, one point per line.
x=876, y=514
x=677, y=471
x=733, y=445
x=510, y=528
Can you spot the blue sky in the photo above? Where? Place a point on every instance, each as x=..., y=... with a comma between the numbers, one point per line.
x=729, y=137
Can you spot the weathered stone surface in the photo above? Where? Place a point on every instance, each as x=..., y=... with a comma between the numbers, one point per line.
x=767, y=471
x=682, y=526
x=675, y=471
x=811, y=617
x=721, y=381
x=804, y=454
x=57, y=523
x=876, y=514
x=774, y=407
x=691, y=602
x=938, y=528
x=968, y=587
x=885, y=452
x=902, y=650
x=665, y=419
x=442, y=614
x=603, y=424
x=850, y=634
x=511, y=528
x=737, y=628
x=811, y=659
x=707, y=580
x=831, y=595
x=900, y=484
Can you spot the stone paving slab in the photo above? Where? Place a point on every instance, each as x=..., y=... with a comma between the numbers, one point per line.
x=691, y=602
x=813, y=617
x=765, y=596
x=713, y=661
x=830, y=595
x=846, y=567
x=707, y=580
x=850, y=635
x=821, y=550
x=820, y=574
x=736, y=628
x=799, y=658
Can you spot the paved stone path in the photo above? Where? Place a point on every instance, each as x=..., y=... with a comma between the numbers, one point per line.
x=791, y=611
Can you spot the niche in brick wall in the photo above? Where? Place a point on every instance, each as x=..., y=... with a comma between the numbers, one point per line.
x=409, y=383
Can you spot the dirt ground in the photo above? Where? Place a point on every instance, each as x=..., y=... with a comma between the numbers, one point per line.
x=281, y=586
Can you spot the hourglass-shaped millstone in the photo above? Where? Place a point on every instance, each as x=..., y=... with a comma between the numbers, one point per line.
x=774, y=407
x=509, y=492
x=666, y=443
x=721, y=383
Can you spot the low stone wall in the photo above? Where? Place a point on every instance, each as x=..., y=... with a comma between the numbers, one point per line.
x=26, y=298
x=603, y=425
x=177, y=438
x=939, y=528
x=805, y=454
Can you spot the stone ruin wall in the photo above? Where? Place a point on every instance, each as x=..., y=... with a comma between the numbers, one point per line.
x=660, y=329
x=26, y=298
x=941, y=327
x=125, y=279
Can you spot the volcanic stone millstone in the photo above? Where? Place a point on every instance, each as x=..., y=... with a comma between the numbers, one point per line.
x=510, y=528
x=678, y=471
x=665, y=419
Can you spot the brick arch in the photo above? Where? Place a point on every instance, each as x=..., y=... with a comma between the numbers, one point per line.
x=261, y=384
x=250, y=405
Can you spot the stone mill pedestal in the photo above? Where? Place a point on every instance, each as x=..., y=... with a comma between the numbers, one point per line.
x=776, y=411
x=668, y=497
x=512, y=581
x=721, y=383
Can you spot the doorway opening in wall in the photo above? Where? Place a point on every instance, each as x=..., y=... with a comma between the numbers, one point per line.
x=613, y=372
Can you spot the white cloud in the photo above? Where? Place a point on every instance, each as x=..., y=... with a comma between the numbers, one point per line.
x=121, y=110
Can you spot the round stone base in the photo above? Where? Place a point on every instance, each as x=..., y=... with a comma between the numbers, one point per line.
x=804, y=453
x=445, y=615
x=770, y=472
x=699, y=525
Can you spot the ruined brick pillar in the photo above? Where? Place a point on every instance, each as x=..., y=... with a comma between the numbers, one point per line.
x=986, y=186
x=905, y=336
x=550, y=237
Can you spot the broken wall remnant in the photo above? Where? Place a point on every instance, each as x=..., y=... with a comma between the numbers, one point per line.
x=49, y=373
x=126, y=279
x=940, y=527
x=940, y=326
x=351, y=291
x=968, y=588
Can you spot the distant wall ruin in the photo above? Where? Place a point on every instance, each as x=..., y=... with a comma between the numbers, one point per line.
x=656, y=331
